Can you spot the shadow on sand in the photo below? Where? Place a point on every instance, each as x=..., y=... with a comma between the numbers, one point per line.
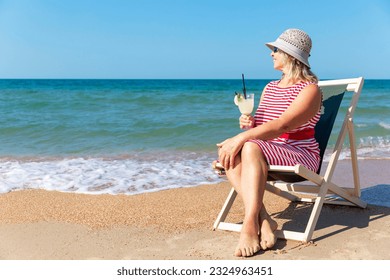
x=347, y=217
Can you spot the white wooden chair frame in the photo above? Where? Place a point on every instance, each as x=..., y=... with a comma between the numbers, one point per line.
x=321, y=188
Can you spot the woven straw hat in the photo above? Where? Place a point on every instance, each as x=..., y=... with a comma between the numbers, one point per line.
x=294, y=42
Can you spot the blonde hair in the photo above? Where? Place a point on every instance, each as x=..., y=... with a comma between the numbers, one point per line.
x=295, y=70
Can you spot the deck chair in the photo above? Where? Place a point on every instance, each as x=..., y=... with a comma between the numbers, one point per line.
x=291, y=182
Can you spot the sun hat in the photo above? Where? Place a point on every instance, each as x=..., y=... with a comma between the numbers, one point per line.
x=294, y=42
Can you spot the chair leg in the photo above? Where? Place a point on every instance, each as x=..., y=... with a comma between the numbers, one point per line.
x=355, y=169
x=315, y=213
x=226, y=208
x=269, y=187
x=348, y=197
x=313, y=219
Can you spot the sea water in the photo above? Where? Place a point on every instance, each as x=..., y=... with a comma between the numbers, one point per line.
x=134, y=136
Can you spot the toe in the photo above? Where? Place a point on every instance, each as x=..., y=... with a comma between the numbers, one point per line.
x=247, y=252
x=268, y=244
x=263, y=245
x=257, y=249
x=238, y=253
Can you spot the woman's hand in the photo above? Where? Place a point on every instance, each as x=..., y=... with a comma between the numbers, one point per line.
x=228, y=150
x=246, y=121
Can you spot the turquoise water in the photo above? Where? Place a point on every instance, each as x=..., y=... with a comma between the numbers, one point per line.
x=106, y=117
x=129, y=136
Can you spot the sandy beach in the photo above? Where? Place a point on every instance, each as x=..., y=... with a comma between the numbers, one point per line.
x=177, y=224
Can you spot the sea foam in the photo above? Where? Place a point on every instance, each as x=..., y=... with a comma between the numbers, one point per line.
x=106, y=176
x=384, y=125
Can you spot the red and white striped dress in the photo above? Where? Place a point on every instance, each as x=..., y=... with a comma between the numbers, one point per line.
x=295, y=147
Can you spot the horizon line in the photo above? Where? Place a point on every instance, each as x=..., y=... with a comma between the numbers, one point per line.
x=172, y=78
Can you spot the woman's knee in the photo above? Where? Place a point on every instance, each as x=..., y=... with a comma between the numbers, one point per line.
x=251, y=150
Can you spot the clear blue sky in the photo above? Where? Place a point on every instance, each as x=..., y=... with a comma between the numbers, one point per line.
x=188, y=39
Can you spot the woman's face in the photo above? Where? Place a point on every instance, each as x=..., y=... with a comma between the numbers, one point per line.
x=278, y=59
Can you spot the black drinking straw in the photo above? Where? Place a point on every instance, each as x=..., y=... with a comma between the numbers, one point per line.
x=244, y=89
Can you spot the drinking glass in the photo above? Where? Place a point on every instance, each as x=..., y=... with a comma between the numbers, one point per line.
x=245, y=105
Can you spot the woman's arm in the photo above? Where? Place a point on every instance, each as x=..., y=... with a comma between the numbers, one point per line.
x=301, y=110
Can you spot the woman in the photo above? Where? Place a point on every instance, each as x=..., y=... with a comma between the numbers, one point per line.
x=282, y=133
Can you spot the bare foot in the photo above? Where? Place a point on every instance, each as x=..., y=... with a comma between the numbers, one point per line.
x=268, y=227
x=219, y=169
x=248, y=245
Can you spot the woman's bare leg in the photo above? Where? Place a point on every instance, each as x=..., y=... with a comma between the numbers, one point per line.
x=248, y=177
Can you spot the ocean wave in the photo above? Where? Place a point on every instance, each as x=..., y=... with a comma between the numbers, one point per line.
x=371, y=147
x=107, y=175
x=384, y=125
x=375, y=142
x=130, y=174
x=361, y=125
